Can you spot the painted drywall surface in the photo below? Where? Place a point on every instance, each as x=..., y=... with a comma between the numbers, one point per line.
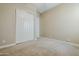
x=37, y=26
x=7, y=28
x=61, y=22
x=8, y=21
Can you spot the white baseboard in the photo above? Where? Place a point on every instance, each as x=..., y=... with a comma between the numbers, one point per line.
x=5, y=46
x=73, y=44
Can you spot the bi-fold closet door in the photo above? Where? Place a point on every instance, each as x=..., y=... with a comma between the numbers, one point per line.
x=24, y=26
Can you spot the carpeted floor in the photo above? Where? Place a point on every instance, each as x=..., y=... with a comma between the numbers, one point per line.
x=41, y=47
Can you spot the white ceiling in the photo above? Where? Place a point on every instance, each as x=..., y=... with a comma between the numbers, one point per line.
x=42, y=7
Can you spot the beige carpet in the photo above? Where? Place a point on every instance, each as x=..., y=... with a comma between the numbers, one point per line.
x=41, y=47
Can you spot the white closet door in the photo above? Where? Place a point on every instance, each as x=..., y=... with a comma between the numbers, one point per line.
x=24, y=26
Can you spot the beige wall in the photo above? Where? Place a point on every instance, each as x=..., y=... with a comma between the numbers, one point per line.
x=61, y=22
x=8, y=21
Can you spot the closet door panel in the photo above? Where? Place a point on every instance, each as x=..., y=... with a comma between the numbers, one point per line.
x=24, y=26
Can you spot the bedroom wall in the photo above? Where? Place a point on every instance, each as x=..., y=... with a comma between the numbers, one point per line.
x=8, y=21
x=61, y=22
